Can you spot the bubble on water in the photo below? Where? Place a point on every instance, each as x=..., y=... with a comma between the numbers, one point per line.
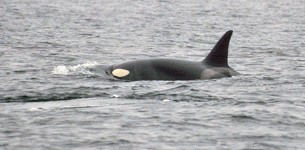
x=35, y=109
x=166, y=100
x=115, y=96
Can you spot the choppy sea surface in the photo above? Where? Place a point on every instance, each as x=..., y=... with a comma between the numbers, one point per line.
x=55, y=95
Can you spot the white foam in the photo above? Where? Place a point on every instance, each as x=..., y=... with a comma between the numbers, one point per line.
x=35, y=109
x=80, y=69
x=166, y=100
x=60, y=70
x=115, y=96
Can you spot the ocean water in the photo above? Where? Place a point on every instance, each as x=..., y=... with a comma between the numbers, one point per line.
x=55, y=95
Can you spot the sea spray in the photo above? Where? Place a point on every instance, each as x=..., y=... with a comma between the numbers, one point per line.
x=80, y=69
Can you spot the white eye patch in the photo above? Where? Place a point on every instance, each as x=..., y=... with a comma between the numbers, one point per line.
x=120, y=73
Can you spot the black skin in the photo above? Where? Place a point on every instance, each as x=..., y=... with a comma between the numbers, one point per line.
x=160, y=69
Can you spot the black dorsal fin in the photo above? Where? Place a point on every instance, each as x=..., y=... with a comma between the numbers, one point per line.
x=219, y=54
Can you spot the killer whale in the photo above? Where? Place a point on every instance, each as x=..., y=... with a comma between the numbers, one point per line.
x=215, y=65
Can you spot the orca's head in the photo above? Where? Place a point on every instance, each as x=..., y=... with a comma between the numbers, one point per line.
x=122, y=72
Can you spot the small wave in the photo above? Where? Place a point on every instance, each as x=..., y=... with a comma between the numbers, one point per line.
x=181, y=93
x=50, y=97
x=243, y=117
x=80, y=69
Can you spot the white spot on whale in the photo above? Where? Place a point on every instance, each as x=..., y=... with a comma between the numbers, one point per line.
x=120, y=73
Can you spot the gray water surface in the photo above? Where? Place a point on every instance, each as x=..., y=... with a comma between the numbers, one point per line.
x=55, y=95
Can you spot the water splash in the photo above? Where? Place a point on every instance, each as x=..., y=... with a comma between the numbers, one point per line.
x=80, y=69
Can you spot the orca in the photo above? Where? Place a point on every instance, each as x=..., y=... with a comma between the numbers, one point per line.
x=214, y=66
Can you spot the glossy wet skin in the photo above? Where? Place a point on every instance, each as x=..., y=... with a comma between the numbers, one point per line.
x=169, y=69
x=159, y=69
